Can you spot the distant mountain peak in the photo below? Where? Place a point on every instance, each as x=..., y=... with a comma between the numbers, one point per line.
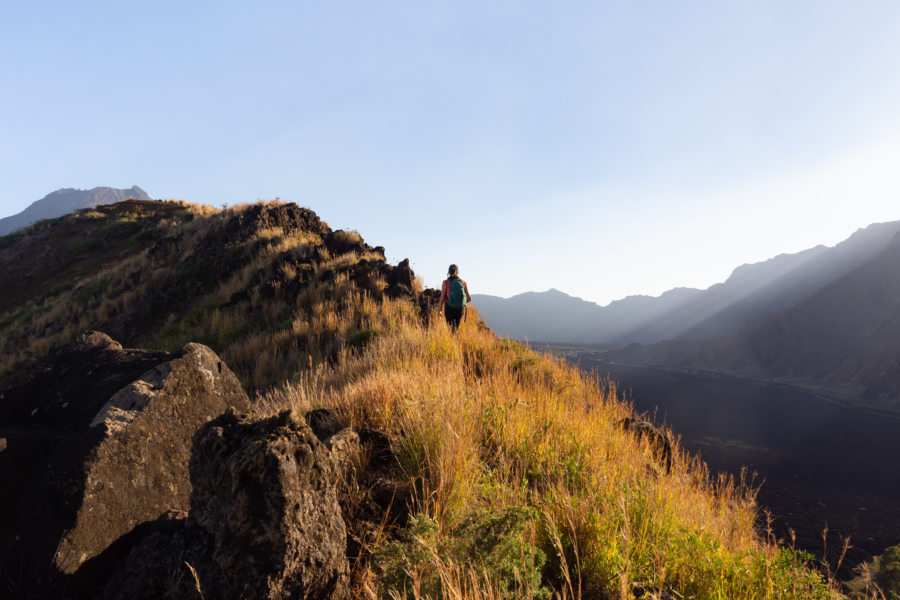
x=66, y=200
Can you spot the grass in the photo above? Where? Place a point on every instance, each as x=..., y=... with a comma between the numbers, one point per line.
x=271, y=304
x=484, y=427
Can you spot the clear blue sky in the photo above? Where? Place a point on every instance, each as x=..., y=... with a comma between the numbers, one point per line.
x=601, y=148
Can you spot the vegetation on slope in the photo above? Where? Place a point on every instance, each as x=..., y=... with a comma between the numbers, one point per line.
x=520, y=482
x=523, y=485
x=269, y=287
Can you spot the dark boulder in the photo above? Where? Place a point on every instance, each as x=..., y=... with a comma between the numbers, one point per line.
x=265, y=491
x=400, y=280
x=323, y=422
x=341, y=242
x=247, y=224
x=104, y=448
x=264, y=520
x=428, y=301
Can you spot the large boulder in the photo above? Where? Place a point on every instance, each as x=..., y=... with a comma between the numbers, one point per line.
x=264, y=522
x=266, y=492
x=98, y=442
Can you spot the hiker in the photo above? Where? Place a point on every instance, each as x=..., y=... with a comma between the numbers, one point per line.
x=454, y=295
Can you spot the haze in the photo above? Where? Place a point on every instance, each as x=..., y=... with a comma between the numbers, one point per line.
x=603, y=149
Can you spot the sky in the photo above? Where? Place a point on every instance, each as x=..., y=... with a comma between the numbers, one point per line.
x=600, y=148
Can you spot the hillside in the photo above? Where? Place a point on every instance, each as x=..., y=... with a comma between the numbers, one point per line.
x=842, y=339
x=752, y=291
x=266, y=286
x=67, y=200
x=481, y=469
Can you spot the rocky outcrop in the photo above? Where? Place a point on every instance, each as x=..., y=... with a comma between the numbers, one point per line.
x=124, y=483
x=401, y=280
x=264, y=521
x=98, y=443
x=265, y=491
x=245, y=225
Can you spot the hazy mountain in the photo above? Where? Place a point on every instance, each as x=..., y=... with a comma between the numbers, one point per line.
x=536, y=316
x=67, y=200
x=845, y=338
x=752, y=291
x=813, y=269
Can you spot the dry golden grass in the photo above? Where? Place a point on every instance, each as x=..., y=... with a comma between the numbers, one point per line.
x=483, y=424
x=265, y=340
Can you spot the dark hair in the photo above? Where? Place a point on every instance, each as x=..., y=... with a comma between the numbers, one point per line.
x=453, y=270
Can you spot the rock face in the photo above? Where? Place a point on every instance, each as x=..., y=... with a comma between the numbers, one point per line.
x=264, y=520
x=266, y=492
x=140, y=468
x=129, y=474
x=98, y=443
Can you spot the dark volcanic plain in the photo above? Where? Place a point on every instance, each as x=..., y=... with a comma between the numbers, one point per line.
x=818, y=463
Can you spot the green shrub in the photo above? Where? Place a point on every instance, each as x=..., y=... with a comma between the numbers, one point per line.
x=890, y=572
x=23, y=315
x=493, y=543
x=150, y=234
x=59, y=288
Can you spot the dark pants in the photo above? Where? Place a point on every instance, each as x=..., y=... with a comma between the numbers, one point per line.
x=453, y=316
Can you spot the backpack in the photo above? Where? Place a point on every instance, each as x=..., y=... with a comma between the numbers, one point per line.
x=457, y=294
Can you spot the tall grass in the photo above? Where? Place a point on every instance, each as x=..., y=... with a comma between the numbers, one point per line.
x=482, y=425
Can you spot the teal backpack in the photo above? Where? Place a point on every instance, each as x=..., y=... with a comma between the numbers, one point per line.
x=457, y=294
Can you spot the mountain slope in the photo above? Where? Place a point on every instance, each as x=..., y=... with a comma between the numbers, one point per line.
x=536, y=316
x=67, y=200
x=845, y=338
x=518, y=476
x=245, y=282
x=819, y=267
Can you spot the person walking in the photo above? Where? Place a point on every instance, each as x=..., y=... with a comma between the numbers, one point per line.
x=454, y=296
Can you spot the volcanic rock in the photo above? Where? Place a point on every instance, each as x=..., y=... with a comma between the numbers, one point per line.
x=98, y=442
x=265, y=491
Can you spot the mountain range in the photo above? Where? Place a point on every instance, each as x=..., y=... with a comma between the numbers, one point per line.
x=825, y=317
x=65, y=201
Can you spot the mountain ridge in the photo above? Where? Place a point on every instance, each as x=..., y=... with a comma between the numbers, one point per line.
x=67, y=200
x=751, y=290
x=843, y=339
